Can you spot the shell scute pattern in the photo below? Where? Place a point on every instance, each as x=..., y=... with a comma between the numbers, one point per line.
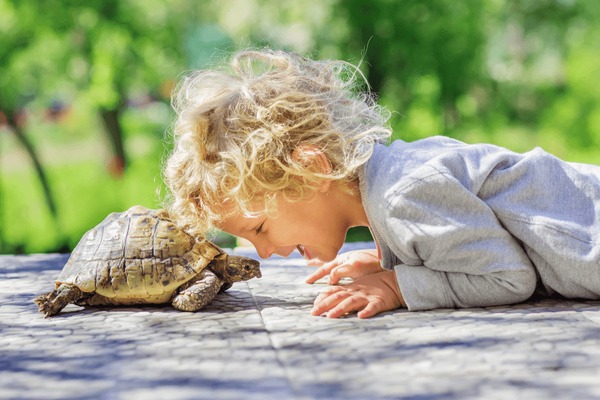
x=141, y=256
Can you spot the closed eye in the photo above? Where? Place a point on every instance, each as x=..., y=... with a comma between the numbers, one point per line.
x=259, y=228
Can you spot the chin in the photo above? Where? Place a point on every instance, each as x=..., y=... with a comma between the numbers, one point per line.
x=327, y=254
x=326, y=259
x=329, y=257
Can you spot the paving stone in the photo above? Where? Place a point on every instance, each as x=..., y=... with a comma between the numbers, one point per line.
x=258, y=341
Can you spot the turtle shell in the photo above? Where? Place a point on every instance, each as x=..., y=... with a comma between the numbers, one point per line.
x=136, y=256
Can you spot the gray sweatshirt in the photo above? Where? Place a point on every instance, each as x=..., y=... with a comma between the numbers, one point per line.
x=478, y=225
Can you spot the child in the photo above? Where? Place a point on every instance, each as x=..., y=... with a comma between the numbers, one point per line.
x=286, y=153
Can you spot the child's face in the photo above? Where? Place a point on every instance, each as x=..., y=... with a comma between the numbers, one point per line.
x=315, y=227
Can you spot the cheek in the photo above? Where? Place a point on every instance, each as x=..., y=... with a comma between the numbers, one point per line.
x=285, y=235
x=286, y=240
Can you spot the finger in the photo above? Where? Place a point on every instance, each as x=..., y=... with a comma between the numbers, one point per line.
x=371, y=309
x=322, y=272
x=331, y=264
x=315, y=276
x=351, y=271
x=342, y=271
x=324, y=294
x=324, y=304
x=328, y=291
x=314, y=262
x=338, y=273
x=348, y=305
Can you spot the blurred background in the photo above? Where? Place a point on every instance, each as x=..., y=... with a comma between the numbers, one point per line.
x=85, y=86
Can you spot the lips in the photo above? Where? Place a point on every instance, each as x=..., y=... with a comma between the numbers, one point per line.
x=303, y=251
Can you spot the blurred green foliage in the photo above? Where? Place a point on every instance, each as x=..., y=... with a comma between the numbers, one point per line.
x=84, y=86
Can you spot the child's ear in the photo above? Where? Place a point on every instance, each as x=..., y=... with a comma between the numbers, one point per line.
x=314, y=159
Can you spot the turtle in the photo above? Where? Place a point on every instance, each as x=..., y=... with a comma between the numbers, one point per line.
x=140, y=256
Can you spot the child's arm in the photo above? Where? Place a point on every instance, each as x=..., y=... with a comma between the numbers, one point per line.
x=453, y=251
x=352, y=264
x=369, y=295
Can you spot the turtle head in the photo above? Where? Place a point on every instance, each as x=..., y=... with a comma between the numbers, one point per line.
x=240, y=268
x=236, y=268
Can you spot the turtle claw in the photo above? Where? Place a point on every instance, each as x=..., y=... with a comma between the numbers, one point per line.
x=44, y=302
x=53, y=302
x=199, y=292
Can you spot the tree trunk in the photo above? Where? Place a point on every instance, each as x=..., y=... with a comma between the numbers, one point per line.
x=110, y=117
x=24, y=141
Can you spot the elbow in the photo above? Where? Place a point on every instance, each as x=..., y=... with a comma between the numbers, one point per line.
x=521, y=285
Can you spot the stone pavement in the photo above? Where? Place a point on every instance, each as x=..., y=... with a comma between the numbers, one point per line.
x=258, y=341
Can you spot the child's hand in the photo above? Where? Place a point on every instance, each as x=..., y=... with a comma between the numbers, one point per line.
x=352, y=264
x=369, y=295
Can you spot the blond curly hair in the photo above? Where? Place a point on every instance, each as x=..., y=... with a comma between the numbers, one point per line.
x=236, y=134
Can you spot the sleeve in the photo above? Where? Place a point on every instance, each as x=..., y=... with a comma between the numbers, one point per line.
x=455, y=251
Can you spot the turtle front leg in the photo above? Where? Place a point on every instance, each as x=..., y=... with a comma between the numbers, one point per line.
x=53, y=302
x=198, y=293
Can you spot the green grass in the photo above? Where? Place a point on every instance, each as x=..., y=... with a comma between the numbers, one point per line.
x=84, y=193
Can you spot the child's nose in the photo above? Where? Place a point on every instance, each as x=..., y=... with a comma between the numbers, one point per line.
x=264, y=251
x=285, y=251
